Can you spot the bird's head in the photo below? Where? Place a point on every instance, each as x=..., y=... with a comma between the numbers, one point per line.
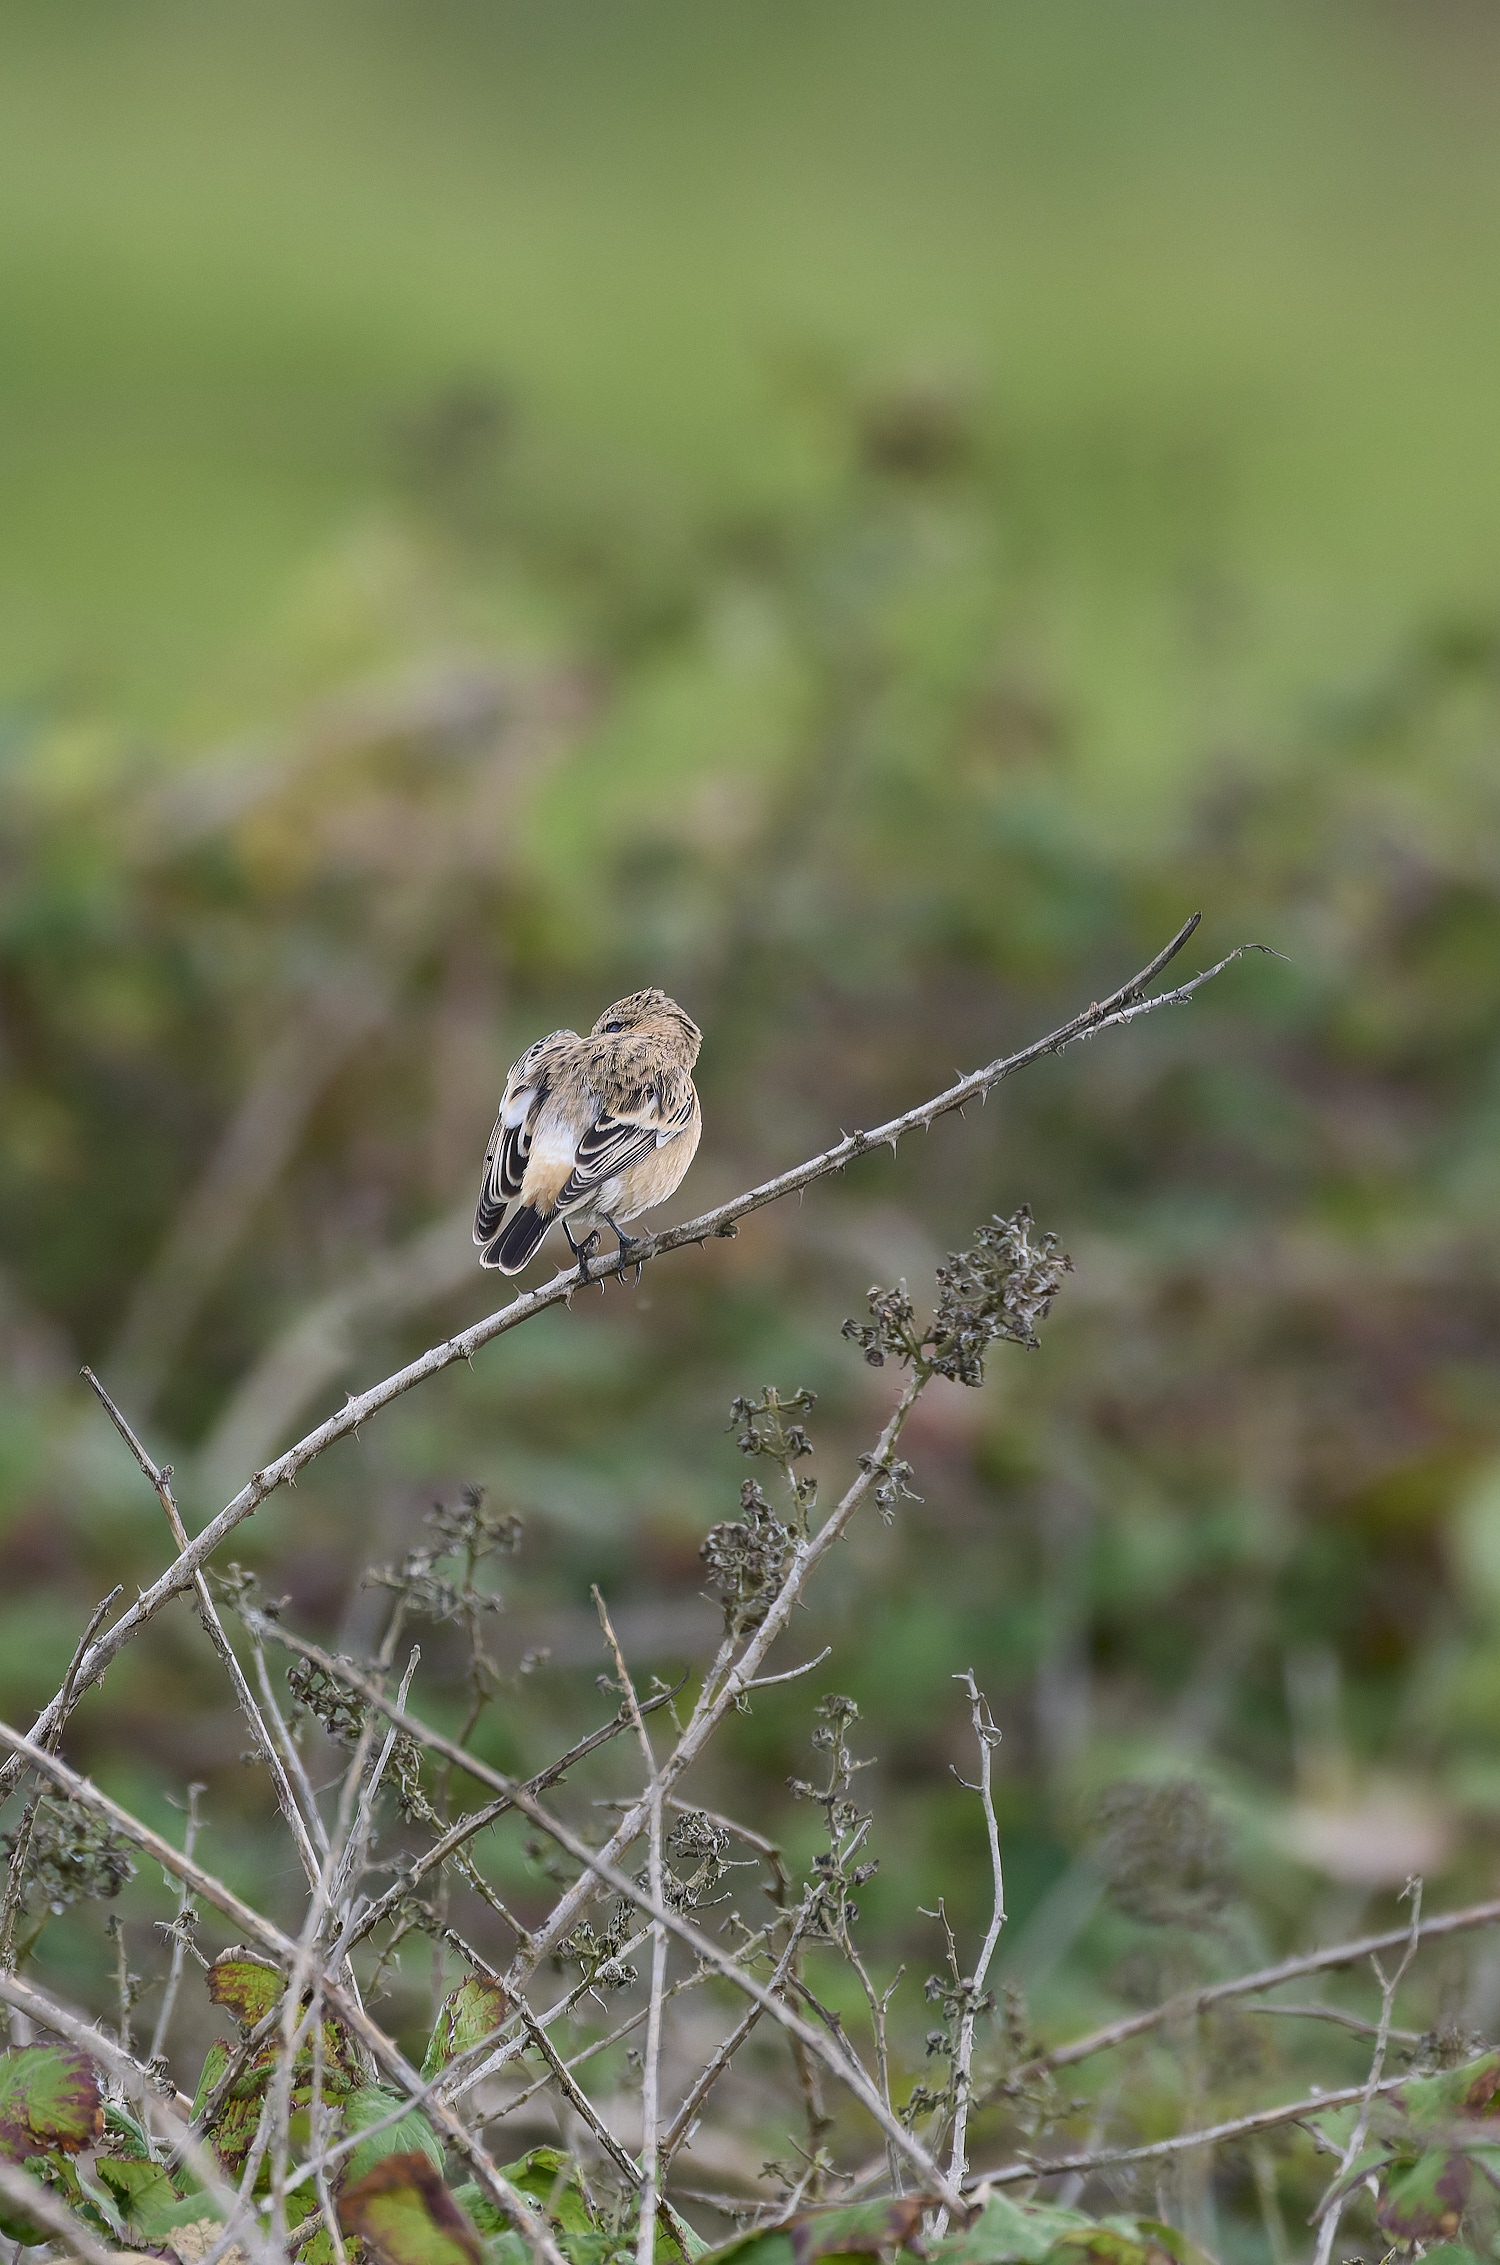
x=651, y=1014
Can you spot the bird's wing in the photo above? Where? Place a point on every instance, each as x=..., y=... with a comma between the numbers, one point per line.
x=618, y=1138
x=506, y=1158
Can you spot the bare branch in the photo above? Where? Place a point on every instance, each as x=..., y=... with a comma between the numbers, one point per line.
x=1209, y=2135
x=790, y=1674
x=467, y=1828
x=730, y=1679
x=1344, y=2020
x=179, y=1946
x=987, y=1737
x=724, y=2052
x=645, y=2246
x=1124, y=1005
x=1462, y=1921
x=598, y=1868
x=573, y=2092
x=49, y=2013
x=15, y=1884
x=285, y=1952
x=1331, y=2208
x=213, y=1627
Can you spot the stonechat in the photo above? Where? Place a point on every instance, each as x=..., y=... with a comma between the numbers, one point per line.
x=592, y=1131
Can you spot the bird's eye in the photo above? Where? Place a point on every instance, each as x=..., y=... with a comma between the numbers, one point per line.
x=611, y=1027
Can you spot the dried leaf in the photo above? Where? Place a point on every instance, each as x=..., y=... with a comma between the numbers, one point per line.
x=194, y=2241
x=407, y=2216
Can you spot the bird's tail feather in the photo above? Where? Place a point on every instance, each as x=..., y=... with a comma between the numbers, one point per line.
x=517, y=1240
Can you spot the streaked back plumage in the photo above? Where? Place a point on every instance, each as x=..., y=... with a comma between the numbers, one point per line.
x=595, y=1129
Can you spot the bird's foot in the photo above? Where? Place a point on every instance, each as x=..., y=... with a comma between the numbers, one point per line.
x=583, y=1251
x=634, y=1249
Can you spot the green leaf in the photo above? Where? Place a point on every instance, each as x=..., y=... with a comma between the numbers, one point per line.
x=550, y=2177
x=249, y=1988
x=1009, y=2233
x=15, y=2227
x=1171, y=2239
x=215, y=2061
x=861, y=2229
x=503, y=2248
x=771, y=2246
x=245, y=1985
x=1025, y=2233
x=1429, y=2198
x=604, y=2249
x=410, y=2134
x=405, y=2213
x=145, y=2197
x=126, y=2131
x=468, y=2014
x=49, y=2102
x=1428, y=2103
x=1105, y=2245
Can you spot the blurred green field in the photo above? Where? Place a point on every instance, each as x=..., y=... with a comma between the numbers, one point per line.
x=1217, y=276
x=866, y=516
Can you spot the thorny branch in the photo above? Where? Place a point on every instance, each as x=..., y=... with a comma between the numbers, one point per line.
x=213, y=1627
x=1465, y=1920
x=1159, y=2150
x=761, y=1566
x=1122, y=1006
x=598, y=1867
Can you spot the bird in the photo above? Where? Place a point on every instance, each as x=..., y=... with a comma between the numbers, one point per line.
x=592, y=1131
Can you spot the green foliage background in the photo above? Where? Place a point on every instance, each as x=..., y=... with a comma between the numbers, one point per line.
x=866, y=516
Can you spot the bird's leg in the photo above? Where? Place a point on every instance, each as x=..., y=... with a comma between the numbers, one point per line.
x=583, y=1251
x=637, y=1247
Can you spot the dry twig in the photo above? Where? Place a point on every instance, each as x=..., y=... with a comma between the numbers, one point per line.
x=1122, y=1006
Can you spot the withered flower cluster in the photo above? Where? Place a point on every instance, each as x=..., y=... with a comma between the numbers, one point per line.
x=1001, y=1288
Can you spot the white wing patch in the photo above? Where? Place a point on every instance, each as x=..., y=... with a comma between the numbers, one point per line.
x=509, y=1152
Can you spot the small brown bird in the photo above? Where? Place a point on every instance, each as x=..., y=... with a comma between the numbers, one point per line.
x=592, y=1131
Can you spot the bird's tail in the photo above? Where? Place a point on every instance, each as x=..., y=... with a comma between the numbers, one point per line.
x=517, y=1240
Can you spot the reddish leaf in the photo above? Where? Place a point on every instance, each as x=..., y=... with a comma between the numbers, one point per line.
x=1429, y=2199
x=468, y=2013
x=49, y=2102
x=868, y=2229
x=247, y=1986
x=407, y=2216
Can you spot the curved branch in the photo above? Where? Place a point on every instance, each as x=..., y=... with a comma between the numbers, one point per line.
x=1209, y=2135
x=1122, y=1006
x=1458, y=1922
